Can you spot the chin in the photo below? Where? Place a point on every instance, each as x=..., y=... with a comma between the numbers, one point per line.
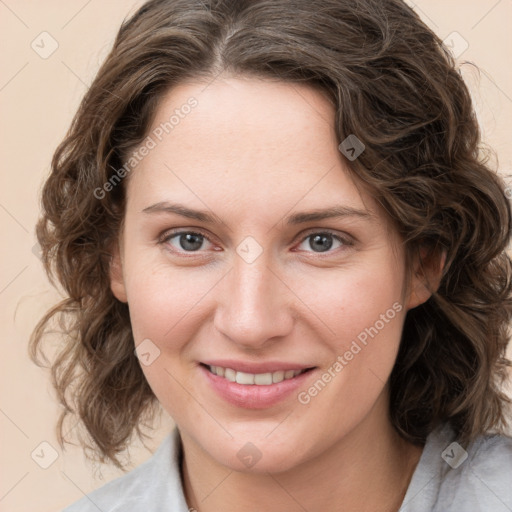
x=256, y=454
x=273, y=460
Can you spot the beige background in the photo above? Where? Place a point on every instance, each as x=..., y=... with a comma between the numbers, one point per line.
x=38, y=98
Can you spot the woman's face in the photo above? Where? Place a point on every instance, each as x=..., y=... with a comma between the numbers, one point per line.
x=254, y=285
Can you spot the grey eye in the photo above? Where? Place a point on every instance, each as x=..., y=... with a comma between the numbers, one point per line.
x=322, y=242
x=188, y=241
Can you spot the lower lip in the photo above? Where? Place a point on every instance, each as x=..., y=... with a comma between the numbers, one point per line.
x=252, y=396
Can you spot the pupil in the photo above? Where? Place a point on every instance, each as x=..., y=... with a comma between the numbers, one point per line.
x=192, y=241
x=321, y=240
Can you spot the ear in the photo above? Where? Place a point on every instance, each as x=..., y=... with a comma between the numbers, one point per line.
x=117, y=284
x=427, y=271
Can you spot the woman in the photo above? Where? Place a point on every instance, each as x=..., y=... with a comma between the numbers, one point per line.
x=271, y=219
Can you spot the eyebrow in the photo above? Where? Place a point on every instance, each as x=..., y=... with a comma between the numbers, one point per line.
x=335, y=211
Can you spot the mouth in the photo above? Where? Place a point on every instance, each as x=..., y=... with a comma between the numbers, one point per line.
x=254, y=379
x=270, y=385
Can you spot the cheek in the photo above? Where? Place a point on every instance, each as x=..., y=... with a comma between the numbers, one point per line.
x=367, y=321
x=166, y=311
x=362, y=313
x=348, y=301
x=162, y=298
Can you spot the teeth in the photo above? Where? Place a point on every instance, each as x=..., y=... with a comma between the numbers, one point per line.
x=228, y=373
x=244, y=378
x=258, y=379
x=263, y=379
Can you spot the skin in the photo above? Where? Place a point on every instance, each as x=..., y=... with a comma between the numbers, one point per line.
x=251, y=164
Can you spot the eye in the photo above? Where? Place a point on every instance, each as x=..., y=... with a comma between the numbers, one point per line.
x=192, y=241
x=184, y=241
x=324, y=240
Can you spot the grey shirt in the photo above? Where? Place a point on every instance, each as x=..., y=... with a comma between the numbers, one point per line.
x=447, y=478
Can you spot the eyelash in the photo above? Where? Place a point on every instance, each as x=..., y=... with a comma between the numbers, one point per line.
x=168, y=235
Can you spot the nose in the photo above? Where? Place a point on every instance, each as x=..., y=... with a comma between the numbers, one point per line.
x=254, y=306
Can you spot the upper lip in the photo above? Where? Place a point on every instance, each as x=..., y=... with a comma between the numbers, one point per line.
x=261, y=367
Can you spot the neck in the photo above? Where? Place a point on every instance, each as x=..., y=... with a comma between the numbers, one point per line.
x=368, y=469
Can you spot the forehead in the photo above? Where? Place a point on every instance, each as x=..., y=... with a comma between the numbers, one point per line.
x=245, y=142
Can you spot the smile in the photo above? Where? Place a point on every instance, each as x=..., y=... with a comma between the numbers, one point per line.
x=257, y=379
x=255, y=390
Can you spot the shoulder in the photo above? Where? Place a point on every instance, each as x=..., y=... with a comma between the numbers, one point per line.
x=450, y=477
x=157, y=480
x=481, y=478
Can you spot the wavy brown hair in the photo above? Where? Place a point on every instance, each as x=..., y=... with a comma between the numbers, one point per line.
x=397, y=88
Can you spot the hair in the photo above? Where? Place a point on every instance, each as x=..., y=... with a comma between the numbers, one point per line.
x=398, y=90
